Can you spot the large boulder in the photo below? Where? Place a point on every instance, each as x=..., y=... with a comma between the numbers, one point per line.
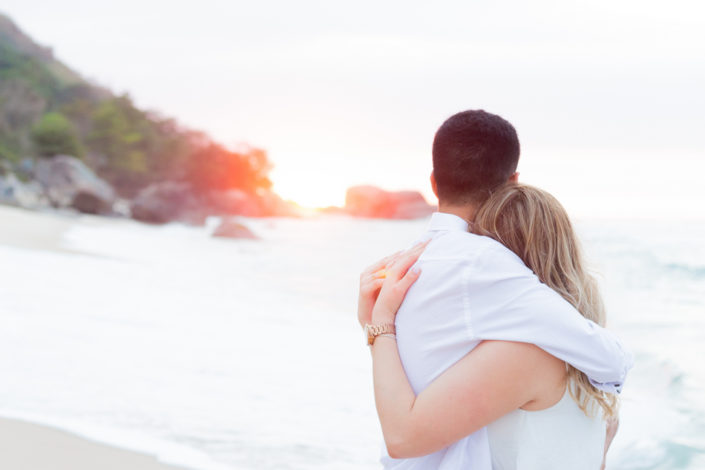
x=410, y=205
x=168, y=201
x=370, y=201
x=231, y=228
x=68, y=182
x=231, y=202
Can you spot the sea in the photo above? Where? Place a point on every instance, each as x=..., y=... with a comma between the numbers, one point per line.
x=246, y=354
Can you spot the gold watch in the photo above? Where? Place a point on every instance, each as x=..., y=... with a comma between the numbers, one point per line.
x=373, y=331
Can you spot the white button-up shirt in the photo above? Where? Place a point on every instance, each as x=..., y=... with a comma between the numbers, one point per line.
x=473, y=288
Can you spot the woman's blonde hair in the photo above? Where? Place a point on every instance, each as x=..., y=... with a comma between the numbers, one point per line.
x=535, y=226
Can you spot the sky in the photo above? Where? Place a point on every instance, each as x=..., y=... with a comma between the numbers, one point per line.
x=608, y=97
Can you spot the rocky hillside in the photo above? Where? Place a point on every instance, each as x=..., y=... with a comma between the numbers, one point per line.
x=108, y=144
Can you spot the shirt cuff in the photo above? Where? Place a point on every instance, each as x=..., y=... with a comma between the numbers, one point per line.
x=609, y=387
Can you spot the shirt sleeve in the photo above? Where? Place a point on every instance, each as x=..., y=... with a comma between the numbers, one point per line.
x=506, y=301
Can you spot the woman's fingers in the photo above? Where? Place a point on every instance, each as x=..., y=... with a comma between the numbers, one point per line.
x=409, y=278
x=392, y=259
x=371, y=283
x=406, y=260
x=381, y=265
x=395, y=265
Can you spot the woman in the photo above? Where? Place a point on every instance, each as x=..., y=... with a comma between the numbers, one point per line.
x=541, y=413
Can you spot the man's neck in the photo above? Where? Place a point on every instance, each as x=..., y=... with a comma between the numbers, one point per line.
x=466, y=211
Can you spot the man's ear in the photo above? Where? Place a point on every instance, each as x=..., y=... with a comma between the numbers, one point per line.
x=434, y=187
x=514, y=178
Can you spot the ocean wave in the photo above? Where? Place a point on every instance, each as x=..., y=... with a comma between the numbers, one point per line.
x=693, y=272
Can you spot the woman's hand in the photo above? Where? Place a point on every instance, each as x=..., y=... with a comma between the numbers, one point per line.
x=371, y=281
x=399, y=277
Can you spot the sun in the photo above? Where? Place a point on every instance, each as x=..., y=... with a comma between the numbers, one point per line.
x=310, y=190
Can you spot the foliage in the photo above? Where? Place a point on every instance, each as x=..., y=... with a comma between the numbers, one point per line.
x=117, y=134
x=214, y=167
x=55, y=135
x=14, y=65
x=7, y=153
x=45, y=109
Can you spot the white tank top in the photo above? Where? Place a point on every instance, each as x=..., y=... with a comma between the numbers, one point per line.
x=557, y=438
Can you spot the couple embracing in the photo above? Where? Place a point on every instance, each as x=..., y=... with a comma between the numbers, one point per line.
x=487, y=337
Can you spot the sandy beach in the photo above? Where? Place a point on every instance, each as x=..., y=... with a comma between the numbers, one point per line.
x=27, y=229
x=26, y=446
x=44, y=230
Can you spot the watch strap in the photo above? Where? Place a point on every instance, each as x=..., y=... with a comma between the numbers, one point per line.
x=375, y=330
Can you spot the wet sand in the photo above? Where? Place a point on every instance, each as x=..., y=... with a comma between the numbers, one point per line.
x=26, y=446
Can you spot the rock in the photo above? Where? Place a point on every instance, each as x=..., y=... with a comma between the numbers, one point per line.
x=231, y=202
x=122, y=207
x=410, y=205
x=178, y=202
x=25, y=168
x=16, y=193
x=272, y=205
x=68, y=182
x=88, y=203
x=331, y=210
x=237, y=202
x=230, y=228
x=370, y=201
x=168, y=201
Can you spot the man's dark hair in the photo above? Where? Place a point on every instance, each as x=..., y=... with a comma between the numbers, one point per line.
x=474, y=152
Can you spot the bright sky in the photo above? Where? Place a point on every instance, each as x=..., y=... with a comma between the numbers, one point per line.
x=608, y=96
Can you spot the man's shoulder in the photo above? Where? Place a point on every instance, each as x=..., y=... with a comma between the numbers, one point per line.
x=470, y=247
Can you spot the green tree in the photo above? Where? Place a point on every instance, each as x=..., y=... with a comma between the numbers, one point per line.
x=117, y=134
x=54, y=135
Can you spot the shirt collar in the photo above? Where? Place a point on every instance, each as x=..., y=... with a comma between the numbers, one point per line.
x=441, y=221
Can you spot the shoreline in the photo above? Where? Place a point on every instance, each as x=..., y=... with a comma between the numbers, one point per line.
x=25, y=228
x=30, y=446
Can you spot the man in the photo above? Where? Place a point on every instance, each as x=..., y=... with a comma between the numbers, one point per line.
x=460, y=300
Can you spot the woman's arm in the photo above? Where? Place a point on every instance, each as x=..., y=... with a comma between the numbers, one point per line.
x=494, y=379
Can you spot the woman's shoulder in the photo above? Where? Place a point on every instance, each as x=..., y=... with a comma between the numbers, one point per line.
x=549, y=378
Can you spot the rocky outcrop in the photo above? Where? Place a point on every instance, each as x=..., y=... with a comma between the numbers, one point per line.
x=68, y=182
x=331, y=210
x=165, y=202
x=373, y=202
x=230, y=228
x=237, y=202
x=17, y=193
x=231, y=202
x=178, y=202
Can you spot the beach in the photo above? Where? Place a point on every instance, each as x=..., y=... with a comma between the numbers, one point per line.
x=26, y=446
x=150, y=346
x=29, y=446
x=26, y=229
